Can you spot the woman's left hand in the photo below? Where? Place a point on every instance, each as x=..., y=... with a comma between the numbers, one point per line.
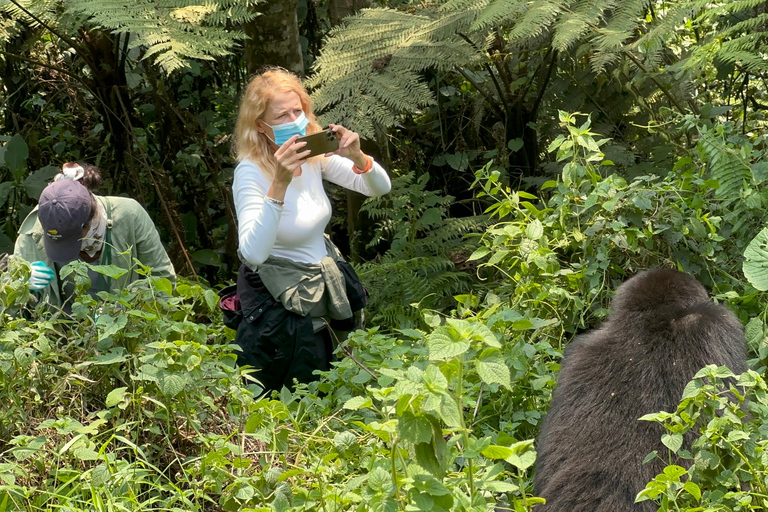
x=349, y=145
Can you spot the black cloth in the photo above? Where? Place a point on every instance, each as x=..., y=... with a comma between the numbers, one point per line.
x=283, y=345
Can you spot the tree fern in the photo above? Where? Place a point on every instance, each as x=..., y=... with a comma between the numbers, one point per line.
x=424, y=248
x=732, y=171
x=169, y=31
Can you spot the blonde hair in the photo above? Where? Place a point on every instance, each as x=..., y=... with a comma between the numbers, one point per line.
x=249, y=142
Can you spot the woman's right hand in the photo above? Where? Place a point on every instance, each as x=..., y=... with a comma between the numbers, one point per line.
x=289, y=158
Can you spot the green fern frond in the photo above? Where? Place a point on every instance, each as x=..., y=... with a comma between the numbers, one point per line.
x=538, y=19
x=579, y=21
x=170, y=31
x=499, y=12
x=726, y=165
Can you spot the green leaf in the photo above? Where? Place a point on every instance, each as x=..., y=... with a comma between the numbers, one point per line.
x=692, y=489
x=116, y=396
x=358, y=402
x=16, y=154
x=211, y=299
x=556, y=144
x=496, y=486
x=514, y=145
x=414, y=429
x=672, y=441
x=534, y=230
x=755, y=264
x=497, y=452
x=83, y=453
x=449, y=411
x=112, y=271
x=430, y=217
x=379, y=480
x=38, y=180
x=207, y=257
x=245, y=493
x=494, y=373
x=172, y=384
x=100, y=475
x=109, y=325
x=444, y=343
x=480, y=252
x=163, y=284
x=5, y=190
x=115, y=355
x=427, y=459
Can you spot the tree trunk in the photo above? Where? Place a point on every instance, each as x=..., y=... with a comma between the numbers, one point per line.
x=273, y=38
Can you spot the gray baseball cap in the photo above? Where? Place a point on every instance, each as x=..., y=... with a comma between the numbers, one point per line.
x=63, y=210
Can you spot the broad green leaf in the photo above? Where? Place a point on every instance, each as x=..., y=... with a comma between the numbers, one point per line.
x=115, y=355
x=379, y=480
x=497, y=452
x=427, y=459
x=112, y=271
x=163, y=285
x=172, y=384
x=245, y=493
x=357, y=403
x=414, y=429
x=83, y=453
x=5, y=190
x=115, y=397
x=16, y=154
x=344, y=440
x=692, y=489
x=480, y=252
x=445, y=343
x=496, y=486
x=672, y=441
x=281, y=503
x=515, y=145
x=522, y=461
x=534, y=230
x=207, y=257
x=449, y=411
x=674, y=472
x=494, y=373
x=100, y=475
x=211, y=299
x=755, y=264
x=754, y=333
x=109, y=325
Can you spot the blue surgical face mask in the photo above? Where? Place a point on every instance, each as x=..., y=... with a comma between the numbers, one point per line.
x=285, y=131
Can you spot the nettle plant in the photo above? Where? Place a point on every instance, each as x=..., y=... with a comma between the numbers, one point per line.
x=443, y=433
x=122, y=404
x=724, y=418
x=561, y=254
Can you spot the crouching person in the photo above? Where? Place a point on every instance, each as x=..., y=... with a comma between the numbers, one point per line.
x=71, y=223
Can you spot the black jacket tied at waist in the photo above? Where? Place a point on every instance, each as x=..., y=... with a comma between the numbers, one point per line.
x=281, y=344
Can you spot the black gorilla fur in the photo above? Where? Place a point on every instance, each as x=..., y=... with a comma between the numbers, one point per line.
x=661, y=330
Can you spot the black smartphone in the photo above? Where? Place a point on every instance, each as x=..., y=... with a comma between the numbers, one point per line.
x=320, y=143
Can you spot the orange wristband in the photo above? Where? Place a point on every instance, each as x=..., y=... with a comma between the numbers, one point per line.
x=367, y=168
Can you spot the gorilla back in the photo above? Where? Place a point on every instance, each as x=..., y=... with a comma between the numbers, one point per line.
x=661, y=330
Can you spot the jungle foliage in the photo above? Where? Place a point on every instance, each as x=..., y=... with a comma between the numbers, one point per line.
x=541, y=153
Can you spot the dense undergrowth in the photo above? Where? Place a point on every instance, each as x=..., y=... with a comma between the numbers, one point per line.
x=135, y=403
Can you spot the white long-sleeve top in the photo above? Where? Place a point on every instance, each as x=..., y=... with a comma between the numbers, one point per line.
x=295, y=230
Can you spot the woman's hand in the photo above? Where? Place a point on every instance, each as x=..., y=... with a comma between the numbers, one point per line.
x=289, y=158
x=349, y=145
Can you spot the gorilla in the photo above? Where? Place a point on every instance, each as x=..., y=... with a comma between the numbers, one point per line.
x=661, y=330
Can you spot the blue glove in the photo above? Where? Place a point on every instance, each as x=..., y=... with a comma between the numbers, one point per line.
x=40, y=277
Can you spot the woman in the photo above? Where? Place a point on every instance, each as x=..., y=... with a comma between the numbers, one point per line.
x=71, y=223
x=293, y=282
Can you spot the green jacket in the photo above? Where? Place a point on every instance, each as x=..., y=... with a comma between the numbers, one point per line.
x=132, y=232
